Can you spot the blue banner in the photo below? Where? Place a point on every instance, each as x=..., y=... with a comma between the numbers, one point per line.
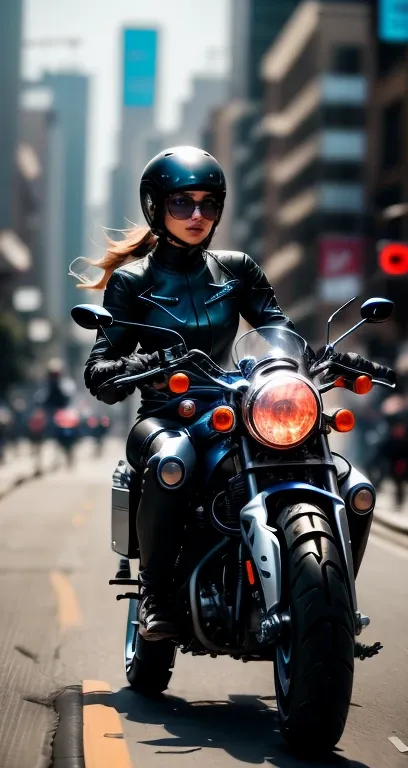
x=393, y=21
x=139, y=67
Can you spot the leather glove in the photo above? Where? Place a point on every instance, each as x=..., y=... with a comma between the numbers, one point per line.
x=138, y=362
x=101, y=372
x=377, y=371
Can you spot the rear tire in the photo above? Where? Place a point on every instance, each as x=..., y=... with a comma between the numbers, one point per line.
x=148, y=664
x=314, y=664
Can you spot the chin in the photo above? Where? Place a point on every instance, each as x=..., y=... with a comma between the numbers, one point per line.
x=194, y=240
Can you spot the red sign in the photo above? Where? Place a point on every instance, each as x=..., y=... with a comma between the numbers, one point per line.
x=393, y=259
x=340, y=256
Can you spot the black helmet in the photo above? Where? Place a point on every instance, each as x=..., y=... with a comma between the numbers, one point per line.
x=179, y=168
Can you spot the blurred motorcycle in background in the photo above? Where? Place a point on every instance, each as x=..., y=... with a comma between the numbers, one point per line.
x=66, y=431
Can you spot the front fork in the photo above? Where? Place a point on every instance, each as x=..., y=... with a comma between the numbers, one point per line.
x=263, y=543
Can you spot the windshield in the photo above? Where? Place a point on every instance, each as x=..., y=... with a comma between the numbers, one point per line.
x=272, y=341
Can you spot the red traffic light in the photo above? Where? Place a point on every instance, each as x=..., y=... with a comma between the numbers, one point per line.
x=393, y=259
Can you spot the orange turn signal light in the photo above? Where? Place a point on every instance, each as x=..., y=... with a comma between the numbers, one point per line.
x=179, y=383
x=250, y=572
x=223, y=418
x=340, y=382
x=362, y=385
x=343, y=420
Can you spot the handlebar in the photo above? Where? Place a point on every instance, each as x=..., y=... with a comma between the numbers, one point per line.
x=386, y=376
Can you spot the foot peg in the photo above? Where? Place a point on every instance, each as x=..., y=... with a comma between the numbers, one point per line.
x=129, y=596
x=361, y=622
x=362, y=651
x=125, y=582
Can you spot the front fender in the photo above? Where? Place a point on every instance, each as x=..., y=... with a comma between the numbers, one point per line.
x=263, y=543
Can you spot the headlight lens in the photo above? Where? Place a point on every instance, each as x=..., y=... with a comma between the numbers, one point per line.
x=285, y=411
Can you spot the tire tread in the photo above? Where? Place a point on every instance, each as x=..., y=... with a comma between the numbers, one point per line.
x=314, y=714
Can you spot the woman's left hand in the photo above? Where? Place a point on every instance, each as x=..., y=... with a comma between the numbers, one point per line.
x=160, y=384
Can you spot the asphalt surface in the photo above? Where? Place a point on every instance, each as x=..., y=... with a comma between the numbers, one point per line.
x=60, y=625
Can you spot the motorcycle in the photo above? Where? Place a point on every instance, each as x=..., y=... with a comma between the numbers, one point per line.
x=66, y=431
x=272, y=540
x=97, y=427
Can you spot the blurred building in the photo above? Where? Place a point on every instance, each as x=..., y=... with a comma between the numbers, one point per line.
x=255, y=24
x=388, y=151
x=139, y=61
x=42, y=188
x=14, y=254
x=116, y=199
x=70, y=91
x=208, y=93
x=314, y=134
x=221, y=139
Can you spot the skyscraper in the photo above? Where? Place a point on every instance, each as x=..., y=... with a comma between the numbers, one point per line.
x=10, y=45
x=70, y=101
x=255, y=25
x=14, y=255
x=139, y=85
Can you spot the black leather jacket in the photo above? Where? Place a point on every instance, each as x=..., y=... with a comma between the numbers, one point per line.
x=198, y=293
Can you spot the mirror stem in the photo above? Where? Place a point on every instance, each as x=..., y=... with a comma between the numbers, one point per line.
x=354, y=328
x=340, y=309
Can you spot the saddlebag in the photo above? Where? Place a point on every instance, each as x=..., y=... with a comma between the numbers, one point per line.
x=125, y=500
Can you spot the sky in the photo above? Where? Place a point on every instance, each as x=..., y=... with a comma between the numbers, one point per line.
x=193, y=40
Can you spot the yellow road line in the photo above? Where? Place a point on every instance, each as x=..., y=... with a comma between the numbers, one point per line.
x=69, y=612
x=78, y=520
x=104, y=741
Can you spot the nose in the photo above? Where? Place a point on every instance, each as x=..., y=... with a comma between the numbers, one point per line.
x=196, y=213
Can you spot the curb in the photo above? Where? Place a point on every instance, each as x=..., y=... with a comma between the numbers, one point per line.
x=68, y=744
x=392, y=522
x=21, y=479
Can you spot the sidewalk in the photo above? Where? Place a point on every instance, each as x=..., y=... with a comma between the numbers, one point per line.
x=22, y=465
x=386, y=513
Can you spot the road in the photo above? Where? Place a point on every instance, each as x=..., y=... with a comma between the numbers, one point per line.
x=60, y=625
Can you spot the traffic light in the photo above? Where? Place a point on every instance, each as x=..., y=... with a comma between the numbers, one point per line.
x=393, y=258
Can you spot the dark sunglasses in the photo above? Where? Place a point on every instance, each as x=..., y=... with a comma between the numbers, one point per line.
x=183, y=207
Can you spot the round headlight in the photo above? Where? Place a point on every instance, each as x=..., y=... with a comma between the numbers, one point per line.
x=284, y=411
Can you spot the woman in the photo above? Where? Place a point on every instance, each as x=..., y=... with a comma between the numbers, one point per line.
x=166, y=276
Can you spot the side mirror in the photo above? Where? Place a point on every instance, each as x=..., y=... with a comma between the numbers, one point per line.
x=91, y=316
x=376, y=310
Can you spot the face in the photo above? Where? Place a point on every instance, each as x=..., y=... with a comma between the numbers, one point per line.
x=196, y=227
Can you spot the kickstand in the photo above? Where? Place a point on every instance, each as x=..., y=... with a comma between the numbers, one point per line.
x=362, y=651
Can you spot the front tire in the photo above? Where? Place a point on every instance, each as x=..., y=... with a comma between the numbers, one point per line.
x=148, y=664
x=314, y=663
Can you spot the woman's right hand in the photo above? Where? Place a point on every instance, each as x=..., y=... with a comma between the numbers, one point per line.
x=138, y=362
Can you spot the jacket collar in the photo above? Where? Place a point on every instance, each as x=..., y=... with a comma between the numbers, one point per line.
x=174, y=259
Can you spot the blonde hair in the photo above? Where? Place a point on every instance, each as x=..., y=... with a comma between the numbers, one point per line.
x=136, y=244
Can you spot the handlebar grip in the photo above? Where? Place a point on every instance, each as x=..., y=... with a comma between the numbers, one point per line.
x=385, y=373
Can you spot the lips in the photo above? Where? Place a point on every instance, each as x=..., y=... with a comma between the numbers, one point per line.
x=195, y=229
